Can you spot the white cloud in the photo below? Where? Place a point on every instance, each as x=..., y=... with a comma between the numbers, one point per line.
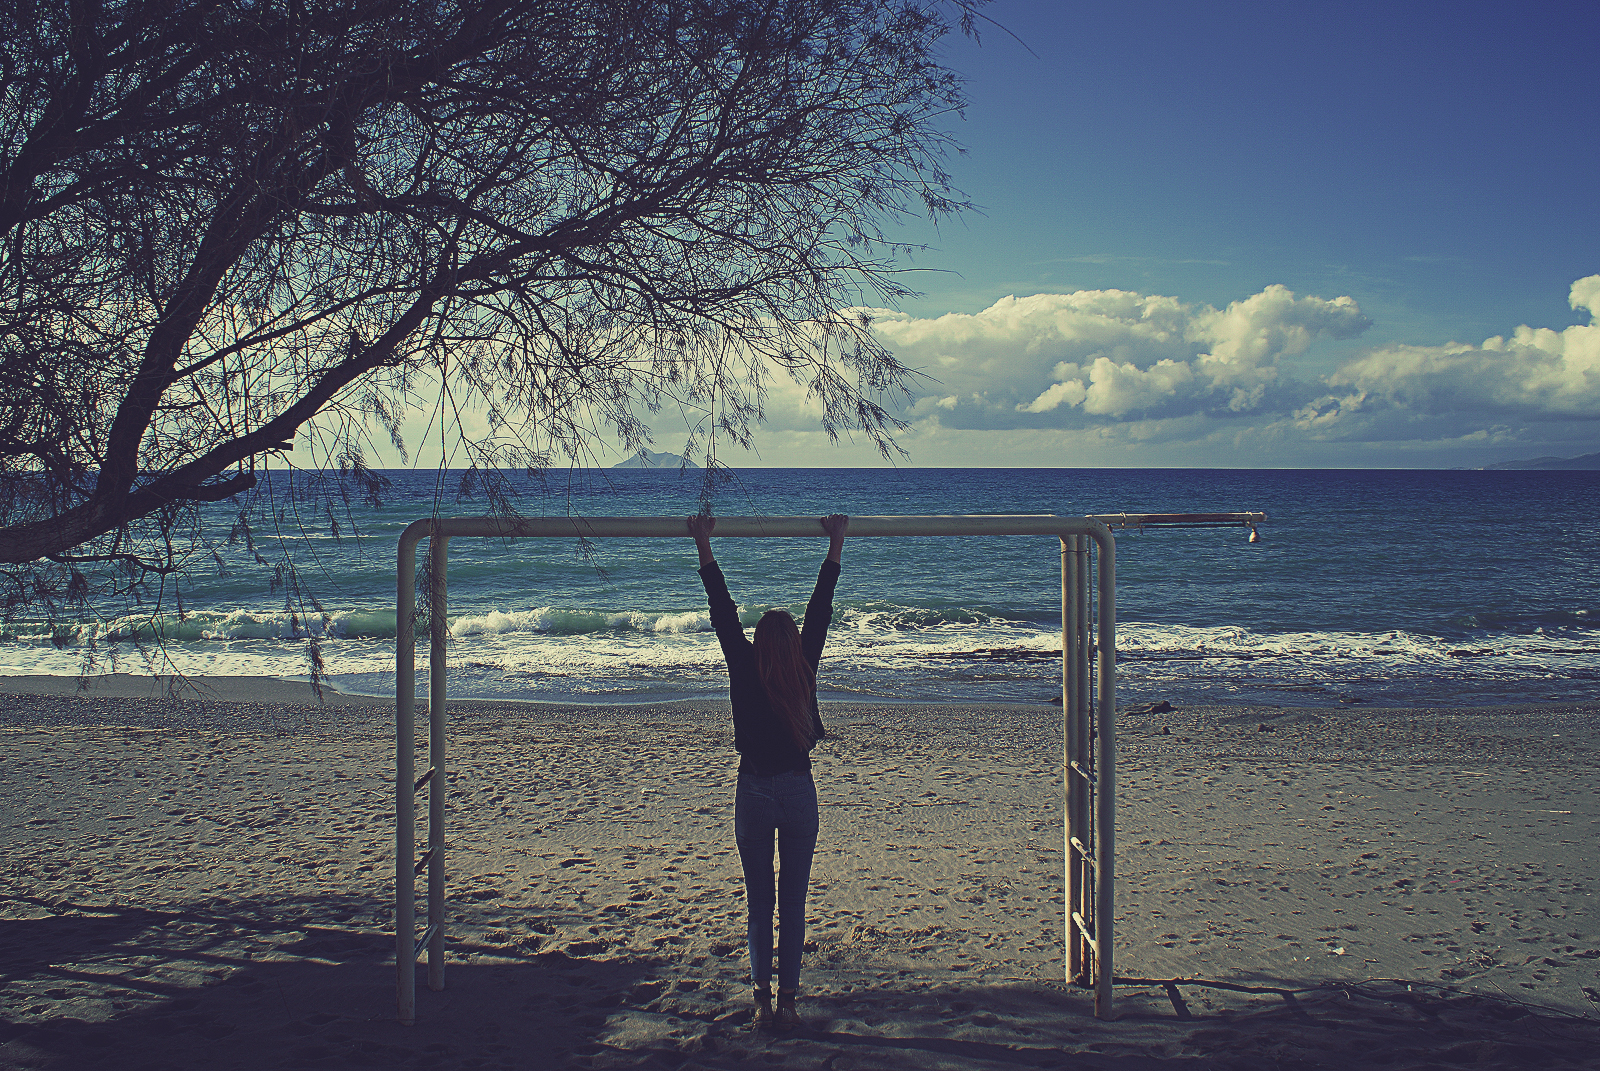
x=1537, y=374
x=1586, y=295
x=1113, y=377
x=1117, y=389
x=1071, y=392
x=1096, y=356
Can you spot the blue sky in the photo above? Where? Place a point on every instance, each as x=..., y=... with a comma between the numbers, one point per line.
x=1249, y=235
x=1438, y=161
x=1436, y=164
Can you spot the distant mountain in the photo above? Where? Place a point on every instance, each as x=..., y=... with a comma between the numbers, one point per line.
x=650, y=459
x=1588, y=462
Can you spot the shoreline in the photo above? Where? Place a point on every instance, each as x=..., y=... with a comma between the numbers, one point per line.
x=297, y=691
x=218, y=875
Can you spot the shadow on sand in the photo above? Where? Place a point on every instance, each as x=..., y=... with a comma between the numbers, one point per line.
x=89, y=987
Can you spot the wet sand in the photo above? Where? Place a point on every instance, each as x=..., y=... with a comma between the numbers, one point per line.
x=208, y=882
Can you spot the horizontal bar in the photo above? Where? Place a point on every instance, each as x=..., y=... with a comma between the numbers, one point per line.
x=1077, y=768
x=1180, y=520
x=423, y=862
x=677, y=527
x=1083, y=933
x=422, y=942
x=424, y=779
x=1086, y=853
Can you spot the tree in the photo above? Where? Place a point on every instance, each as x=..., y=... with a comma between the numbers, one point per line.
x=229, y=223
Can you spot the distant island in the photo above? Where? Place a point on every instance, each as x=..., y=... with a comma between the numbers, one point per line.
x=1588, y=462
x=649, y=459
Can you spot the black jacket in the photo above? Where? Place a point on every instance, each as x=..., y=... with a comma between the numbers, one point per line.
x=764, y=747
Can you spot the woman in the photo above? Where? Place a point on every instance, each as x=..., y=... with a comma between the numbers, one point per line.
x=773, y=687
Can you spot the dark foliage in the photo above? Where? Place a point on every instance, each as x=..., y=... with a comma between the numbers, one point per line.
x=230, y=226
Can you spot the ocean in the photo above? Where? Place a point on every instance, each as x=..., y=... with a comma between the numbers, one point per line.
x=1366, y=587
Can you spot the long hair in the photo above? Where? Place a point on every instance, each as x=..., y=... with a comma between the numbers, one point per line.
x=790, y=682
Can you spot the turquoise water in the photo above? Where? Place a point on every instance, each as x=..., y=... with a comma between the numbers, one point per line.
x=1367, y=587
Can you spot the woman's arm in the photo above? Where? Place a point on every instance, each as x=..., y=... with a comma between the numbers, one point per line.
x=835, y=524
x=700, y=528
x=724, y=612
x=819, y=611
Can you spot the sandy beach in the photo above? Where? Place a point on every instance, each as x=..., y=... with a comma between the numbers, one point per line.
x=206, y=882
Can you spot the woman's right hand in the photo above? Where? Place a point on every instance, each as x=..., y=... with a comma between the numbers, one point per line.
x=835, y=524
x=700, y=527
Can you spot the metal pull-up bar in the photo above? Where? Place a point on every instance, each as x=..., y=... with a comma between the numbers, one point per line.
x=1180, y=520
x=1088, y=698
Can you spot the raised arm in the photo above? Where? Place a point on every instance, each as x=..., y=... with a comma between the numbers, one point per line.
x=700, y=528
x=835, y=524
x=724, y=612
x=819, y=611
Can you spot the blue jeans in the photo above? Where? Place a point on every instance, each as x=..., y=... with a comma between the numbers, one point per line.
x=785, y=804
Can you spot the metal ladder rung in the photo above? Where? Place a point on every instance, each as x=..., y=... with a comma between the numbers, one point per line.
x=422, y=863
x=1083, y=933
x=422, y=942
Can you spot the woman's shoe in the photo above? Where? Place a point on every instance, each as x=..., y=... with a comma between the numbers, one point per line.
x=763, y=1016
x=787, y=1018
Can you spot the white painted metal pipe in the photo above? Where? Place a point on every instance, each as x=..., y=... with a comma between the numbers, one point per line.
x=1083, y=797
x=1072, y=816
x=1067, y=696
x=758, y=527
x=438, y=650
x=1106, y=780
x=405, y=835
x=1180, y=520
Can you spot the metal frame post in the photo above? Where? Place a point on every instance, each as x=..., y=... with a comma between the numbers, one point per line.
x=438, y=639
x=1069, y=694
x=1072, y=682
x=1084, y=784
x=406, y=866
x=1105, y=773
x=405, y=770
x=1090, y=815
x=1087, y=782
